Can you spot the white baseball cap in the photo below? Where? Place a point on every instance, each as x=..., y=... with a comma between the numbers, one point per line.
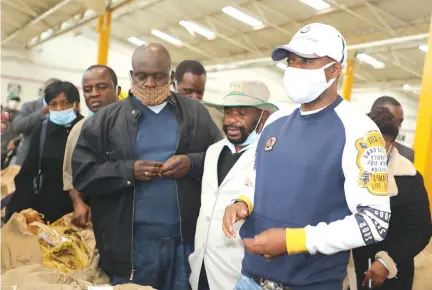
x=314, y=41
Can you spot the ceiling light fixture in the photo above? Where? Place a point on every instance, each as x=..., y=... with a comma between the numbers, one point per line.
x=243, y=17
x=316, y=4
x=136, y=41
x=406, y=87
x=166, y=37
x=370, y=60
x=198, y=29
x=424, y=47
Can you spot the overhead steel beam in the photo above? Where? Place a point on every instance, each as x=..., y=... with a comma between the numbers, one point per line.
x=277, y=13
x=269, y=23
x=361, y=17
x=99, y=6
x=19, y=8
x=388, y=14
x=401, y=66
x=80, y=23
x=373, y=9
x=36, y=20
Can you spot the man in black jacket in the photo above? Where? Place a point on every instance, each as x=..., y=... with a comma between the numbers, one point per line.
x=140, y=162
x=396, y=109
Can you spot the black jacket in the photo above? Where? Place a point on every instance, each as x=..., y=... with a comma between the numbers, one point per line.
x=52, y=201
x=102, y=166
x=409, y=230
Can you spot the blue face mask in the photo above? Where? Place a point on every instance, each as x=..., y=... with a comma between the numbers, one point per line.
x=252, y=136
x=63, y=118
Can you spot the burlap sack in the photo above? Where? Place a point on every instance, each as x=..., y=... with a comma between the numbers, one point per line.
x=22, y=268
x=36, y=277
x=7, y=177
x=18, y=246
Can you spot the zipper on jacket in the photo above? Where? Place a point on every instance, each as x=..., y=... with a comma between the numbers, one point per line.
x=178, y=200
x=132, y=243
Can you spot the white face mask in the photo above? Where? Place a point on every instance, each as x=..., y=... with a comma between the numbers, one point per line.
x=305, y=85
x=12, y=104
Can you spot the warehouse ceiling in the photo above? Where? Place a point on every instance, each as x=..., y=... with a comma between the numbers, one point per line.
x=393, y=32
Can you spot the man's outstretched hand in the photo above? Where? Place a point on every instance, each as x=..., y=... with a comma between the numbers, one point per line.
x=233, y=213
x=270, y=243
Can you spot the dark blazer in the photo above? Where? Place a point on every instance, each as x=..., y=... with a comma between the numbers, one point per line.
x=28, y=118
x=410, y=226
x=405, y=151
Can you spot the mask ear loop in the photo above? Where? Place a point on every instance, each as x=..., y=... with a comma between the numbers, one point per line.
x=259, y=120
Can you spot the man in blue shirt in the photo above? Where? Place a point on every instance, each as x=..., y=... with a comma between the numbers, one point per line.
x=319, y=187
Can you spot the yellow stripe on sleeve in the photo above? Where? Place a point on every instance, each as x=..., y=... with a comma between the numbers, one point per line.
x=248, y=202
x=296, y=241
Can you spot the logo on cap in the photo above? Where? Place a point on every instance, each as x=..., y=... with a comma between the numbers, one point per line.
x=305, y=29
x=237, y=89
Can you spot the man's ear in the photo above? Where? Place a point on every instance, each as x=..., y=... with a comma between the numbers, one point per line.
x=76, y=106
x=172, y=77
x=336, y=70
x=118, y=92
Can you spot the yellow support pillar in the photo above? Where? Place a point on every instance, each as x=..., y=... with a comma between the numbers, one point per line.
x=348, y=79
x=423, y=135
x=104, y=30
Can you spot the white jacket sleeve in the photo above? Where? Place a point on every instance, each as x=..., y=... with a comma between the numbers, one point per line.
x=364, y=164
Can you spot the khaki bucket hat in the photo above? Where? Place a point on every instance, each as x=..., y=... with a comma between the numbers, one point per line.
x=245, y=94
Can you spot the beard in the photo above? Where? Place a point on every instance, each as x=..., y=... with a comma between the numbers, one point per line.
x=242, y=130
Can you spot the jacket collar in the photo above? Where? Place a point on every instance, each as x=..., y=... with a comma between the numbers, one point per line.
x=398, y=166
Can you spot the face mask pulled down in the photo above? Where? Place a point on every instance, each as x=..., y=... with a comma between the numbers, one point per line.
x=151, y=96
x=250, y=138
x=305, y=85
x=63, y=118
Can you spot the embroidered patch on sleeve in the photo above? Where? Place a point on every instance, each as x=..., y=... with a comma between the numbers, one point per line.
x=372, y=162
x=364, y=230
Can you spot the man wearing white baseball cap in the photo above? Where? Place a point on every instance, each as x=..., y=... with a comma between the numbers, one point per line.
x=216, y=261
x=320, y=184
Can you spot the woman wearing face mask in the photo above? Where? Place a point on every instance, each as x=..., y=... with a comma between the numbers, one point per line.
x=392, y=261
x=39, y=185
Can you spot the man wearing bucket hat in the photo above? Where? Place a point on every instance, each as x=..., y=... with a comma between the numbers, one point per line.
x=216, y=261
x=320, y=183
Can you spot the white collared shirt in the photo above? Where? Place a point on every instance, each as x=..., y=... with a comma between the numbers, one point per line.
x=158, y=108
